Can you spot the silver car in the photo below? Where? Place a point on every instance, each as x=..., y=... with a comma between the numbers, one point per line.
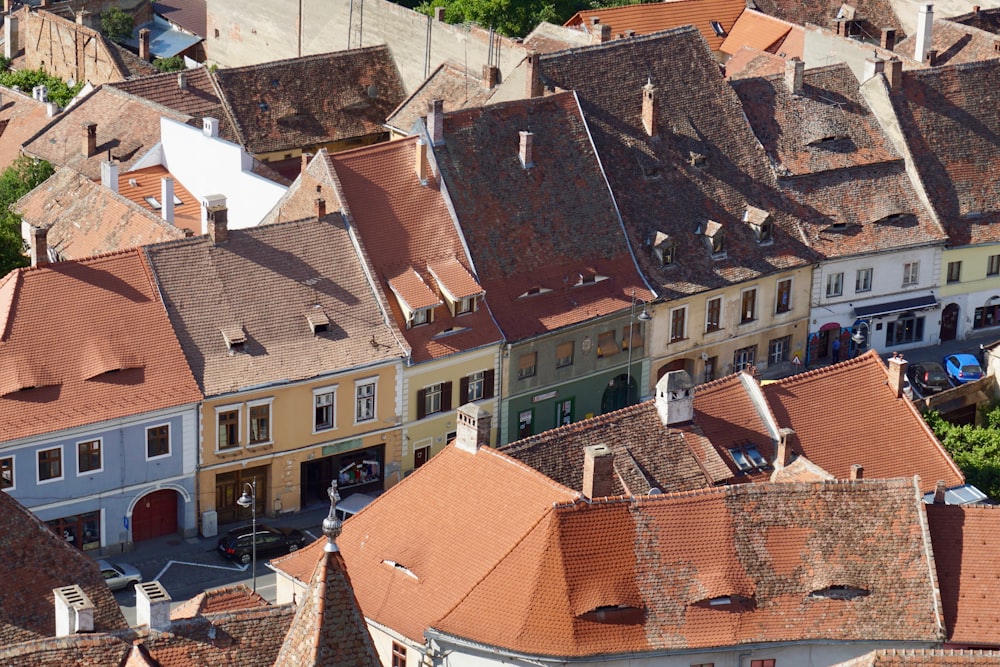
x=119, y=575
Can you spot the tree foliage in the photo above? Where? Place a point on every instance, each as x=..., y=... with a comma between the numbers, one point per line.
x=26, y=79
x=171, y=64
x=117, y=25
x=975, y=449
x=17, y=180
x=514, y=18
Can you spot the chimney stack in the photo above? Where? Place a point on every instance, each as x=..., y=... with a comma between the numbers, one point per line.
x=306, y=157
x=872, y=67
x=599, y=32
x=439, y=14
x=598, y=471
x=109, y=174
x=435, y=121
x=11, y=37
x=857, y=472
x=491, y=76
x=144, y=45
x=182, y=81
x=650, y=108
x=89, y=139
x=51, y=109
x=939, y=492
x=39, y=246
x=784, y=453
x=894, y=73
x=897, y=374
x=888, y=40
x=74, y=611
x=675, y=398
x=420, y=161
x=925, y=30
x=794, y=72
x=473, y=425
x=152, y=605
x=167, y=199
x=216, y=218
x=320, y=208
x=210, y=126
x=7, y=6
x=525, y=152
x=931, y=58
x=533, y=76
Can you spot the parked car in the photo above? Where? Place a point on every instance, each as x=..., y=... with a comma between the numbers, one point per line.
x=962, y=368
x=237, y=544
x=119, y=575
x=928, y=377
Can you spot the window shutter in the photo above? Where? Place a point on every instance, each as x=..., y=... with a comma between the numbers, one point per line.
x=445, y=396
x=463, y=390
x=488, y=383
x=421, y=404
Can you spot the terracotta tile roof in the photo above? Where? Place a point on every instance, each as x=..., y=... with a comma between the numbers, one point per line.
x=966, y=539
x=129, y=63
x=188, y=14
x=758, y=31
x=99, y=650
x=657, y=16
x=861, y=421
x=141, y=183
x=948, y=117
x=225, y=599
x=407, y=230
x=198, y=98
x=329, y=628
x=955, y=43
x=312, y=100
x=704, y=160
x=548, y=37
x=300, y=564
x=747, y=63
x=84, y=218
x=450, y=83
x=923, y=658
x=407, y=584
x=21, y=117
x=733, y=414
x=28, y=609
x=127, y=127
x=263, y=281
x=537, y=251
x=667, y=556
x=872, y=14
x=110, y=308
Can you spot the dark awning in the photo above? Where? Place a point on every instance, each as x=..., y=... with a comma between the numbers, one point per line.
x=916, y=303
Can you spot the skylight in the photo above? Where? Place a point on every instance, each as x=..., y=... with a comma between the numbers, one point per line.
x=748, y=458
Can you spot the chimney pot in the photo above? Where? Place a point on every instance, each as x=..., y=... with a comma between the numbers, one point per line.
x=888, y=40
x=491, y=76
x=872, y=67
x=675, y=398
x=74, y=611
x=182, y=80
x=39, y=246
x=109, y=174
x=472, y=428
x=784, y=454
x=435, y=121
x=794, y=73
x=152, y=605
x=144, y=45
x=439, y=14
x=525, y=151
x=600, y=33
x=931, y=59
x=11, y=37
x=210, y=126
x=533, y=74
x=595, y=20
x=598, y=471
x=939, y=492
x=167, y=199
x=897, y=374
x=857, y=471
x=89, y=139
x=216, y=220
x=649, y=109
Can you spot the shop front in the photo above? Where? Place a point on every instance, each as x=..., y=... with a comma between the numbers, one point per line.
x=82, y=531
x=356, y=471
x=229, y=487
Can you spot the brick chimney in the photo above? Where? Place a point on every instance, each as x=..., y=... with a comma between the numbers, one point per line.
x=894, y=73
x=939, y=492
x=435, y=121
x=598, y=471
x=491, y=76
x=89, y=139
x=897, y=373
x=144, y=44
x=167, y=199
x=783, y=457
x=216, y=218
x=320, y=208
x=472, y=429
x=74, y=611
x=888, y=39
x=675, y=398
x=533, y=76
x=152, y=605
x=857, y=472
x=650, y=108
x=925, y=32
x=39, y=246
x=109, y=174
x=525, y=151
x=420, y=161
x=931, y=58
x=794, y=72
x=599, y=32
x=306, y=157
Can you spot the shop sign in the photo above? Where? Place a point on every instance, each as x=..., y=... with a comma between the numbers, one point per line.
x=346, y=446
x=544, y=397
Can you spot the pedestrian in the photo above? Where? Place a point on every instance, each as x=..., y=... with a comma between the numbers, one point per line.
x=836, y=349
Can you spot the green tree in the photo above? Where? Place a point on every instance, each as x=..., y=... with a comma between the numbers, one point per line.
x=117, y=25
x=514, y=18
x=171, y=64
x=27, y=79
x=975, y=449
x=17, y=180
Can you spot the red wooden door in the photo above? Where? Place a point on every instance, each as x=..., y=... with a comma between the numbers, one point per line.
x=155, y=515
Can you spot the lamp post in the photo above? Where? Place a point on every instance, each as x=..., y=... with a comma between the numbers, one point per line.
x=250, y=500
x=644, y=316
x=858, y=337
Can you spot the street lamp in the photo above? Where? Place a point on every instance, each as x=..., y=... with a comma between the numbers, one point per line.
x=644, y=316
x=858, y=337
x=250, y=500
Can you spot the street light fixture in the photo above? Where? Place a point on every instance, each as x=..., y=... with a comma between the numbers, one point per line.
x=858, y=337
x=644, y=316
x=250, y=500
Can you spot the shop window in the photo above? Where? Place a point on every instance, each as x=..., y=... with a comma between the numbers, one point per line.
x=157, y=441
x=784, y=300
x=524, y=419
x=710, y=365
x=762, y=663
x=229, y=428
x=748, y=302
x=359, y=469
x=713, y=314
x=398, y=655
x=863, y=280
x=777, y=350
x=365, y=401
x=526, y=365
x=88, y=456
x=606, y=344
x=7, y=472
x=986, y=316
x=50, y=464
x=907, y=329
x=82, y=531
x=564, y=412
x=564, y=354
x=260, y=422
x=323, y=409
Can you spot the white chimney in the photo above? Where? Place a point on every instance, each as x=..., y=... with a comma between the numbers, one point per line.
x=51, y=109
x=525, y=151
x=473, y=425
x=210, y=127
x=167, y=199
x=109, y=174
x=794, y=76
x=420, y=161
x=74, y=611
x=925, y=21
x=182, y=80
x=152, y=605
x=675, y=398
x=435, y=121
x=873, y=66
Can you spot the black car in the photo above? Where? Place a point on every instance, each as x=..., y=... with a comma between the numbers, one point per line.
x=237, y=544
x=928, y=377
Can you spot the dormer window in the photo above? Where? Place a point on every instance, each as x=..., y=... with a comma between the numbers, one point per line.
x=318, y=321
x=715, y=238
x=664, y=248
x=839, y=592
x=235, y=339
x=615, y=614
x=892, y=218
x=761, y=222
x=534, y=291
x=827, y=141
x=589, y=279
x=422, y=316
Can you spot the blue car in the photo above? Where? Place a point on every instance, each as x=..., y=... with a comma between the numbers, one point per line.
x=962, y=368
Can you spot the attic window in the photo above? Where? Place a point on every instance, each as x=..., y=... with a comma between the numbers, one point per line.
x=235, y=339
x=664, y=248
x=399, y=566
x=748, y=458
x=891, y=218
x=761, y=223
x=839, y=592
x=719, y=30
x=615, y=614
x=421, y=316
x=715, y=238
x=591, y=279
x=534, y=291
x=318, y=321
x=826, y=141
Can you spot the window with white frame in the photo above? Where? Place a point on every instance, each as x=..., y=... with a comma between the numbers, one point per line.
x=228, y=422
x=477, y=384
x=364, y=401
x=7, y=472
x=259, y=421
x=911, y=273
x=678, y=324
x=50, y=464
x=420, y=316
x=158, y=441
x=324, y=406
x=863, y=280
x=526, y=365
x=835, y=284
x=432, y=399
x=88, y=456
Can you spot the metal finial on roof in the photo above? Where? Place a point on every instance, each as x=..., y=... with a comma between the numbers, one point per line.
x=331, y=524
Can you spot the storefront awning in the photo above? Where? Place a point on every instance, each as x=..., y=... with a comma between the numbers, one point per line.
x=916, y=303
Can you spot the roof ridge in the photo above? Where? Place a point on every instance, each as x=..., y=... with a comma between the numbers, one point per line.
x=825, y=370
x=631, y=41
x=583, y=425
x=528, y=469
x=315, y=56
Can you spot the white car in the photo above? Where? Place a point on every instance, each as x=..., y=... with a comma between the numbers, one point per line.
x=119, y=575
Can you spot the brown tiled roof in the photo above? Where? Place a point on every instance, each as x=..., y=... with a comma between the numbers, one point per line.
x=873, y=14
x=128, y=62
x=199, y=97
x=758, y=31
x=407, y=230
x=948, y=116
x=127, y=127
x=83, y=218
x=456, y=87
x=263, y=281
x=955, y=44
x=98, y=650
x=110, y=309
x=312, y=100
x=407, y=584
x=531, y=229
x=846, y=414
x=748, y=62
x=657, y=16
x=966, y=539
x=698, y=115
x=730, y=417
x=28, y=609
x=226, y=599
x=548, y=37
x=924, y=658
x=21, y=117
x=188, y=14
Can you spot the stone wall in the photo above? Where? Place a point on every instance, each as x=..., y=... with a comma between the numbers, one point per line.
x=65, y=49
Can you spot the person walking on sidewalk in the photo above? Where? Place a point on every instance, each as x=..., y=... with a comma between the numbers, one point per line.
x=836, y=349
